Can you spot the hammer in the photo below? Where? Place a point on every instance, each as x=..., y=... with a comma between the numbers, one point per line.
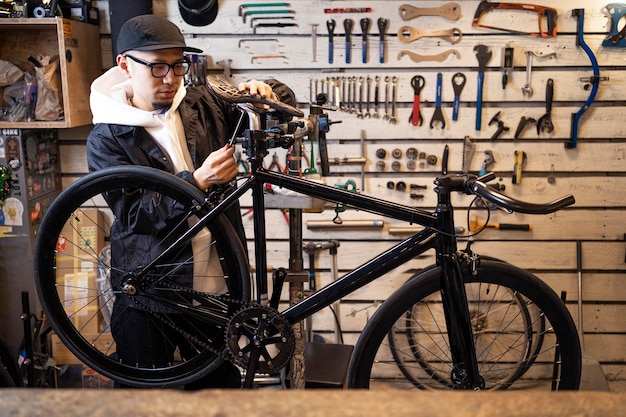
x=475, y=225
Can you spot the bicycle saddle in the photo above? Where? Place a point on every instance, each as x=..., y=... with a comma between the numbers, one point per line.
x=231, y=94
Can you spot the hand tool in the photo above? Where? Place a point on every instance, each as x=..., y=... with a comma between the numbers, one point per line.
x=392, y=119
x=359, y=112
x=268, y=11
x=348, y=24
x=410, y=34
x=250, y=5
x=417, y=82
x=382, y=28
x=274, y=25
x=483, y=54
x=615, y=37
x=386, y=116
x=367, y=101
x=468, y=153
x=330, y=25
x=376, y=102
x=527, y=90
x=438, y=114
x=451, y=11
x=365, y=27
x=523, y=123
x=444, y=160
x=476, y=224
x=314, y=41
x=520, y=160
x=501, y=127
x=594, y=80
x=545, y=122
x=507, y=64
x=547, y=14
x=255, y=19
x=440, y=57
x=458, y=82
x=489, y=160
x=333, y=10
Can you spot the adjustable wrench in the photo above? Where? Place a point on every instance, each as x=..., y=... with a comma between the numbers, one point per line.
x=458, y=82
x=365, y=27
x=483, y=54
x=438, y=114
x=348, y=24
x=545, y=122
x=417, y=82
x=330, y=25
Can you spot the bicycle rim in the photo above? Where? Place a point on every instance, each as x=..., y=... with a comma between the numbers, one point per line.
x=74, y=270
x=525, y=338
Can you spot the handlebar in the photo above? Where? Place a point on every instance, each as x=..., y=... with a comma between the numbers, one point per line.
x=477, y=187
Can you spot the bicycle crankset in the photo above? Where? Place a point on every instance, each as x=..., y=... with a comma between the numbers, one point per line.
x=264, y=330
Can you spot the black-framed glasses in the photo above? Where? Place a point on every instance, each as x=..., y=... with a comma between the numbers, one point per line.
x=161, y=69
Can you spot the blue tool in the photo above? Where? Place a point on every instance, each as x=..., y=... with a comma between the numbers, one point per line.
x=483, y=54
x=330, y=24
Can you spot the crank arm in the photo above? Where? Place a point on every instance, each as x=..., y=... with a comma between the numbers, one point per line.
x=451, y=11
x=542, y=11
x=409, y=34
x=440, y=57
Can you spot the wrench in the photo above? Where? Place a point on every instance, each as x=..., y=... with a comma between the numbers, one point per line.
x=382, y=28
x=376, y=114
x=545, y=122
x=417, y=82
x=451, y=11
x=393, y=120
x=415, y=57
x=409, y=34
x=365, y=27
x=387, y=116
x=527, y=90
x=359, y=112
x=367, y=103
x=458, y=82
x=330, y=25
x=483, y=54
x=348, y=24
x=438, y=114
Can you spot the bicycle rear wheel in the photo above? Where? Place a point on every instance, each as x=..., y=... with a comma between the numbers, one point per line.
x=79, y=278
x=524, y=336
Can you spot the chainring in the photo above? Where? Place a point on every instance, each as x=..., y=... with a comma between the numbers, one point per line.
x=263, y=328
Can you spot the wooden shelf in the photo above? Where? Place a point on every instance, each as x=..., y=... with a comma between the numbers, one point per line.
x=78, y=46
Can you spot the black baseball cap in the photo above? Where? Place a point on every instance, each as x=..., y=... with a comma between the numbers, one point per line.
x=149, y=32
x=198, y=12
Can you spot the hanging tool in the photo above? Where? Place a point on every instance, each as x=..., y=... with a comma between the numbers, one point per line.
x=547, y=14
x=527, y=90
x=393, y=119
x=615, y=37
x=314, y=41
x=334, y=10
x=254, y=20
x=545, y=122
x=489, y=160
x=501, y=127
x=476, y=224
x=409, y=34
x=376, y=101
x=507, y=64
x=483, y=54
x=468, y=153
x=330, y=25
x=451, y=11
x=440, y=57
x=365, y=27
x=382, y=28
x=348, y=24
x=270, y=11
x=458, y=82
x=274, y=25
x=417, y=82
x=250, y=5
x=594, y=80
x=521, y=126
x=520, y=161
x=438, y=114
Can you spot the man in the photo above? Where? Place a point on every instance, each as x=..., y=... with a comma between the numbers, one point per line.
x=144, y=115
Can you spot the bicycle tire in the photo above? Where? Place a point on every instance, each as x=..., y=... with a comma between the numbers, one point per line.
x=72, y=299
x=372, y=364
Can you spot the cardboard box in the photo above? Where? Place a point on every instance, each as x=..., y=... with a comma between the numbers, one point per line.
x=62, y=355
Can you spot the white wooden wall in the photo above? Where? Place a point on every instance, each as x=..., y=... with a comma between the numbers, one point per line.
x=594, y=172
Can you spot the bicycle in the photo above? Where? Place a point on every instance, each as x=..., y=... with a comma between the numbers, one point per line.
x=468, y=322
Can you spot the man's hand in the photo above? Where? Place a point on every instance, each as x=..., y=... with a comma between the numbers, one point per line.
x=219, y=168
x=258, y=88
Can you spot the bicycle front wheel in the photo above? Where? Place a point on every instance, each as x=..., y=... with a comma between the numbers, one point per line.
x=93, y=240
x=523, y=335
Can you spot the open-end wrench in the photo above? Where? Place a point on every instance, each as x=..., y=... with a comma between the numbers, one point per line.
x=386, y=115
x=440, y=57
x=376, y=102
x=348, y=24
x=365, y=27
x=392, y=119
x=483, y=54
x=367, y=102
x=438, y=114
x=417, y=82
x=409, y=34
x=458, y=82
x=451, y=11
x=545, y=122
x=527, y=90
x=382, y=28
x=359, y=112
x=330, y=25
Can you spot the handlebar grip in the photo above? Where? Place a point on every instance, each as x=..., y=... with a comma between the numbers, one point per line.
x=499, y=199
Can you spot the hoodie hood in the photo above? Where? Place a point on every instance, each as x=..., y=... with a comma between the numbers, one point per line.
x=109, y=101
